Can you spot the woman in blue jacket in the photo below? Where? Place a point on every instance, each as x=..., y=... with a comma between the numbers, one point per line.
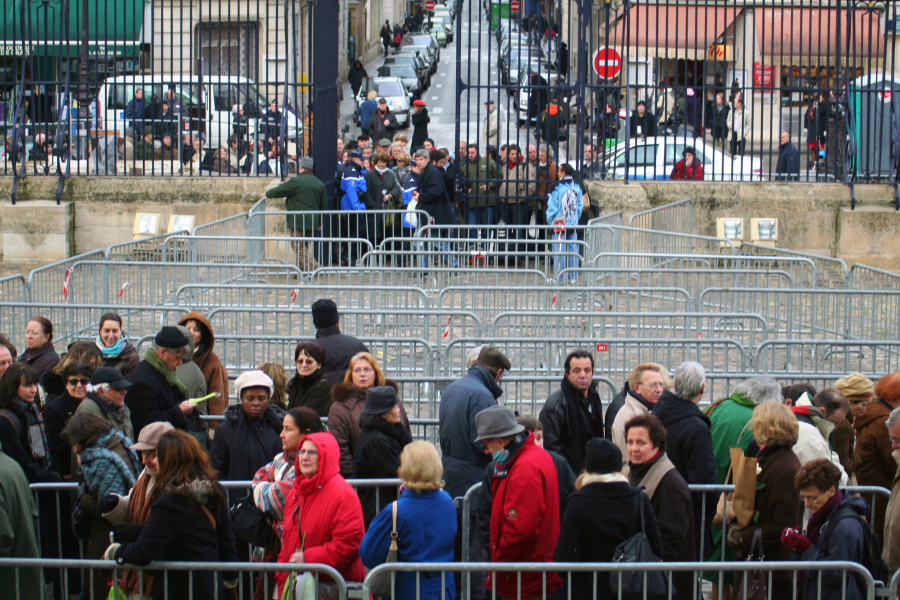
x=426, y=526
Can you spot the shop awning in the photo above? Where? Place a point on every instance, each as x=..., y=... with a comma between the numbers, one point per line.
x=685, y=32
x=809, y=36
x=114, y=28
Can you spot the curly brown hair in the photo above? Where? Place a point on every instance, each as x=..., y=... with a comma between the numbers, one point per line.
x=820, y=473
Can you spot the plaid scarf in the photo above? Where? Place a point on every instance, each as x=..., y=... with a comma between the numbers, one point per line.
x=33, y=417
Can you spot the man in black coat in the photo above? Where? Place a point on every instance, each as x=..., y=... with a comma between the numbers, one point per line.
x=383, y=122
x=689, y=444
x=339, y=348
x=788, y=167
x=539, y=96
x=643, y=122
x=156, y=394
x=573, y=414
x=355, y=77
x=433, y=198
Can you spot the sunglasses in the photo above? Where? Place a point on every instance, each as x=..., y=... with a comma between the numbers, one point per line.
x=83, y=382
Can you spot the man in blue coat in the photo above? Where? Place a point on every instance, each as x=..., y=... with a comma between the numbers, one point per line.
x=134, y=113
x=353, y=184
x=368, y=108
x=788, y=167
x=464, y=459
x=564, y=206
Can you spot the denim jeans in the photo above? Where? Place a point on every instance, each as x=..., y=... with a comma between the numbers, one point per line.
x=483, y=215
x=561, y=262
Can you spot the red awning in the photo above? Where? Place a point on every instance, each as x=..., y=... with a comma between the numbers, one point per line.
x=672, y=31
x=804, y=36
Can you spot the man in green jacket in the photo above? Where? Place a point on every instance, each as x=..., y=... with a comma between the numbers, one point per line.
x=303, y=193
x=17, y=538
x=480, y=186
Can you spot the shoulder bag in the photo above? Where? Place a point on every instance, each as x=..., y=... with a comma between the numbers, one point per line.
x=636, y=549
x=753, y=584
x=382, y=583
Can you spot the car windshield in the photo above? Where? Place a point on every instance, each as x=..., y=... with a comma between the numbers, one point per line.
x=390, y=88
x=400, y=71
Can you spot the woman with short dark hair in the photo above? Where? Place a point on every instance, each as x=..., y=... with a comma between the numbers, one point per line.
x=54, y=382
x=39, y=352
x=309, y=387
x=834, y=531
x=22, y=433
x=76, y=377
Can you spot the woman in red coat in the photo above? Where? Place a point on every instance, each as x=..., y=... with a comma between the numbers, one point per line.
x=323, y=519
x=688, y=167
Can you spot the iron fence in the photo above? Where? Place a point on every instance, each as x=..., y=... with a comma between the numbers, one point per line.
x=431, y=279
x=57, y=279
x=694, y=281
x=14, y=288
x=828, y=356
x=208, y=297
x=830, y=272
x=863, y=277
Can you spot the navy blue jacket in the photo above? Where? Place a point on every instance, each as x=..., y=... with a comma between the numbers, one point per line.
x=426, y=528
x=788, y=167
x=841, y=538
x=464, y=459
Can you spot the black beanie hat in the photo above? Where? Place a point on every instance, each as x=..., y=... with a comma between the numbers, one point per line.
x=602, y=456
x=324, y=313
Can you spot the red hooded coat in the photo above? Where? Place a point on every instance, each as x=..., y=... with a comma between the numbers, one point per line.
x=326, y=509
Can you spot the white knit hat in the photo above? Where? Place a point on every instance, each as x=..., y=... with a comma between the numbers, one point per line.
x=253, y=379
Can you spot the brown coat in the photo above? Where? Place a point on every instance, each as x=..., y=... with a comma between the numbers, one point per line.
x=891, y=531
x=347, y=403
x=877, y=466
x=546, y=181
x=778, y=505
x=213, y=370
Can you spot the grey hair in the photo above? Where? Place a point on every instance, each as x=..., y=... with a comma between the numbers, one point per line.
x=689, y=380
x=98, y=388
x=760, y=389
x=546, y=148
x=472, y=356
x=893, y=419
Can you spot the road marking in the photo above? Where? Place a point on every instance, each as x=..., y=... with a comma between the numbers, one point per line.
x=438, y=85
x=434, y=97
x=437, y=110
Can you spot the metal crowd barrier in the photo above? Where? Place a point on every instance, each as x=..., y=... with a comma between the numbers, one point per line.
x=145, y=249
x=863, y=277
x=692, y=280
x=677, y=217
x=56, y=279
x=817, y=572
x=256, y=249
x=14, y=288
x=300, y=296
x=611, y=355
x=813, y=313
x=828, y=356
x=431, y=279
x=748, y=329
x=831, y=272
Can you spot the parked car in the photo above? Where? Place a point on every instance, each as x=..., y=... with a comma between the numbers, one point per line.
x=654, y=158
x=407, y=75
x=409, y=58
x=527, y=53
x=392, y=90
x=568, y=103
x=423, y=39
x=211, y=106
x=524, y=63
x=424, y=51
x=440, y=32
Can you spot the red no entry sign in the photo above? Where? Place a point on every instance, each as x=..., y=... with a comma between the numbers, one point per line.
x=607, y=62
x=514, y=6
x=429, y=5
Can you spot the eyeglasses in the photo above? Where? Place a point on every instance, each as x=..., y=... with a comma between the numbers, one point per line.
x=306, y=362
x=657, y=386
x=308, y=453
x=82, y=382
x=363, y=370
x=812, y=499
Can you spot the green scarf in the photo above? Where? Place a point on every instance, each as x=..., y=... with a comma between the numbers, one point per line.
x=159, y=365
x=736, y=397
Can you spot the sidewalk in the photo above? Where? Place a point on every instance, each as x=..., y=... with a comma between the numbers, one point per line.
x=348, y=104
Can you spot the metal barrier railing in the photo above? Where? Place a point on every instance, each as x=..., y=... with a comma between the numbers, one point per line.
x=145, y=249
x=692, y=280
x=57, y=279
x=830, y=272
x=863, y=277
x=677, y=217
x=14, y=288
x=431, y=279
x=828, y=356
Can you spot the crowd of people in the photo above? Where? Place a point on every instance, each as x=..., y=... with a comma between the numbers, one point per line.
x=570, y=484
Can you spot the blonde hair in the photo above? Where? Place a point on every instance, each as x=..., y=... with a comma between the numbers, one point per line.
x=635, y=377
x=420, y=467
x=379, y=375
x=403, y=157
x=774, y=424
x=279, y=379
x=400, y=137
x=372, y=95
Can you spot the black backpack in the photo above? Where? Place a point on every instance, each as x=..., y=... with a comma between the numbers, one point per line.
x=872, y=549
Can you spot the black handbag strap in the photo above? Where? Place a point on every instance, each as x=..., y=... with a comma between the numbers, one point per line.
x=639, y=510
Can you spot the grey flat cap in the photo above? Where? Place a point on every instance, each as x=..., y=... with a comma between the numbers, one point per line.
x=496, y=422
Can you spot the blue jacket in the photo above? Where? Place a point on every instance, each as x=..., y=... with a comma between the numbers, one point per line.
x=463, y=458
x=426, y=528
x=354, y=187
x=408, y=187
x=366, y=110
x=134, y=112
x=565, y=201
x=839, y=539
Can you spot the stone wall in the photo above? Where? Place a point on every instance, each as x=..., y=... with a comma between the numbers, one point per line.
x=812, y=217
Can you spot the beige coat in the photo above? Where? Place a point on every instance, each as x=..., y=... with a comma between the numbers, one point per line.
x=490, y=129
x=740, y=124
x=519, y=184
x=630, y=410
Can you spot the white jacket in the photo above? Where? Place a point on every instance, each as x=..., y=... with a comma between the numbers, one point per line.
x=812, y=446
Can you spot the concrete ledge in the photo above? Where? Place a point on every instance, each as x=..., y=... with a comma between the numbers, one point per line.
x=870, y=235
x=39, y=230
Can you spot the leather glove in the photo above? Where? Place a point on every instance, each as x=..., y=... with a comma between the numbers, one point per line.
x=107, y=503
x=793, y=539
x=128, y=534
x=734, y=536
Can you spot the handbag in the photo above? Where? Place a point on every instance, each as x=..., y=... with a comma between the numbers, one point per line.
x=636, y=549
x=81, y=519
x=249, y=523
x=755, y=583
x=381, y=583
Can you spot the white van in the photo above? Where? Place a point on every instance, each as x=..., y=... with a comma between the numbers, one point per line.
x=209, y=108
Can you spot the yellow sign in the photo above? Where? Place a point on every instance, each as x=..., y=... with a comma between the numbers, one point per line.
x=722, y=52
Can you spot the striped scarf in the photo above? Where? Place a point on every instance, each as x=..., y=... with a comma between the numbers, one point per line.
x=33, y=417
